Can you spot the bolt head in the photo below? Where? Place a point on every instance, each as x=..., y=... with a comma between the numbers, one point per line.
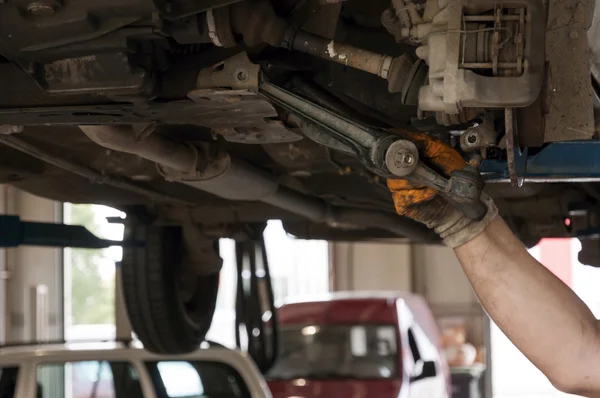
x=408, y=159
x=242, y=75
x=401, y=158
x=404, y=158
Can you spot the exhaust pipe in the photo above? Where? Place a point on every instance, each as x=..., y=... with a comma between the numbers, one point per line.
x=233, y=179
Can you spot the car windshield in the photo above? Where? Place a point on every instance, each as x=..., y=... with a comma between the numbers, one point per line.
x=337, y=351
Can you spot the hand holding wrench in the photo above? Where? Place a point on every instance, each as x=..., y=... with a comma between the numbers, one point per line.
x=462, y=189
x=386, y=154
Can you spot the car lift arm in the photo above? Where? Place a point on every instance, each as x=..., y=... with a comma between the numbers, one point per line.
x=14, y=232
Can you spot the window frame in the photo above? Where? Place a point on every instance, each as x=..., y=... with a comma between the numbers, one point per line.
x=29, y=360
x=28, y=386
x=153, y=371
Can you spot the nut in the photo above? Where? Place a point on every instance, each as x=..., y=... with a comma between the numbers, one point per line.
x=404, y=158
x=401, y=158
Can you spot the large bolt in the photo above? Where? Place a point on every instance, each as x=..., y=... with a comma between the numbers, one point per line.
x=242, y=75
x=401, y=158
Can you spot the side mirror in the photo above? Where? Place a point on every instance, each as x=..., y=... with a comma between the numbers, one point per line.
x=423, y=370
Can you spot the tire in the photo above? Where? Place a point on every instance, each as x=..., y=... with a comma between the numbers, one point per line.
x=163, y=322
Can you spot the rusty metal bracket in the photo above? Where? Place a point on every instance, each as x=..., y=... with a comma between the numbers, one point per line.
x=479, y=137
x=235, y=73
x=234, y=83
x=516, y=158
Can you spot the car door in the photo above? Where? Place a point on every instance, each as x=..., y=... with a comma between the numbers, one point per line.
x=426, y=376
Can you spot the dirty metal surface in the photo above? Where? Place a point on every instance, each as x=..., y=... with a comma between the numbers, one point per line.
x=345, y=54
x=225, y=100
x=98, y=74
x=516, y=159
x=236, y=73
x=531, y=121
x=272, y=131
x=477, y=137
x=593, y=35
x=570, y=93
x=208, y=108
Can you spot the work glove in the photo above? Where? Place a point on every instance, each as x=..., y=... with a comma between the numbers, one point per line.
x=425, y=205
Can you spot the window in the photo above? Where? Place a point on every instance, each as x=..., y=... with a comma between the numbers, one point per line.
x=180, y=379
x=8, y=382
x=195, y=379
x=84, y=379
x=337, y=351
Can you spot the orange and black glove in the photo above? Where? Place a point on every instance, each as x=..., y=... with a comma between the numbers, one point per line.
x=425, y=205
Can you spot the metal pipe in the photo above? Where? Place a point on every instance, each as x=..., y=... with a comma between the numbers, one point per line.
x=238, y=181
x=345, y=54
x=242, y=181
x=168, y=153
x=86, y=172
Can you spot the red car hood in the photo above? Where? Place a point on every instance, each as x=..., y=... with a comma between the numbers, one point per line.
x=342, y=388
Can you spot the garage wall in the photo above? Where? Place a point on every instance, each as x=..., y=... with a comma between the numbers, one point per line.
x=432, y=271
x=440, y=279
x=31, y=292
x=370, y=266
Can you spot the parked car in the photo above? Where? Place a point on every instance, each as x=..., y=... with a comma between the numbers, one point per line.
x=359, y=345
x=110, y=370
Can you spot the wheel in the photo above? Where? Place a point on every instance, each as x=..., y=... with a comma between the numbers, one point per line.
x=170, y=306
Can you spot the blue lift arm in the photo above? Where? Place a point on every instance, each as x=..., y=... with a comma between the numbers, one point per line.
x=14, y=232
x=568, y=161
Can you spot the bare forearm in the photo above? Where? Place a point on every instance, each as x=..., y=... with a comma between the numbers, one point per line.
x=538, y=313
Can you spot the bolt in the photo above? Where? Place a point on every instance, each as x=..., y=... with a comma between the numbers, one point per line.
x=41, y=9
x=404, y=158
x=574, y=35
x=408, y=159
x=242, y=75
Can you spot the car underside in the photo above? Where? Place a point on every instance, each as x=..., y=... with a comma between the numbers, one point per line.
x=162, y=108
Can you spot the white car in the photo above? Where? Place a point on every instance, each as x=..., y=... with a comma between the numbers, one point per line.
x=112, y=370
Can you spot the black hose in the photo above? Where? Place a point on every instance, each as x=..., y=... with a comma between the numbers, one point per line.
x=254, y=301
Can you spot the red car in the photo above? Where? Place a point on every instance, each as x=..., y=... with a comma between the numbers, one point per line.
x=360, y=345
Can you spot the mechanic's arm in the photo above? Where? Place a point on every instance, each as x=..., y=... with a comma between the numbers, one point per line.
x=538, y=313
x=541, y=315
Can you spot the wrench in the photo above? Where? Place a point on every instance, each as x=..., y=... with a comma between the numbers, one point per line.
x=462, y=189
x=385, y=154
